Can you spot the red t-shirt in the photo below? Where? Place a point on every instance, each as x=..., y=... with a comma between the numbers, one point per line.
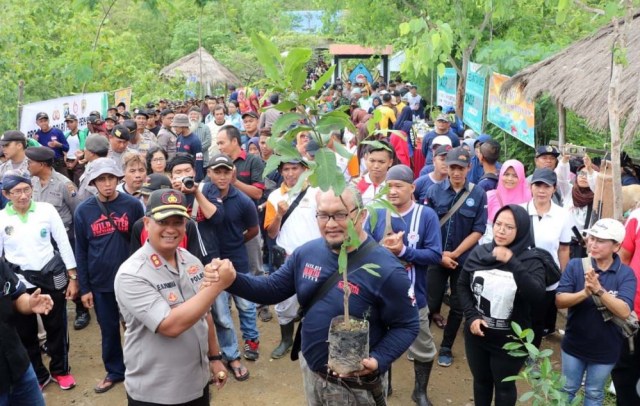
x=631, y=243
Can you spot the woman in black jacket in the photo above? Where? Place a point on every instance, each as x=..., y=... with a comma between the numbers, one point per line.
x=500, y=283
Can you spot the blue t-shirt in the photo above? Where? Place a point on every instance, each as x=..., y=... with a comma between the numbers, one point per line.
x=470, y=217
x=210, y=228
x=488, y=182
x=587, y=336
x=383, y=300
x=191, y=144
x=423, y=183
x=422, y=243
x=54, y=134
x=100, y=249
x=240, y=214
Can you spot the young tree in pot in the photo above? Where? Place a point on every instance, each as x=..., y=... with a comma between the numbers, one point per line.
x=302, y=113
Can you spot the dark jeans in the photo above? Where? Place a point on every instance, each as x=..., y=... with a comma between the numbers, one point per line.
x=55, y=324
x=108, y=316
x=437, y=277
x=489, y=365
x=201, y=401
x=626, y=375
x=544, y=320
x=24, y=392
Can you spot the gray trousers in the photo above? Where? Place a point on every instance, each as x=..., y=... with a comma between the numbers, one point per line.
x=320, y=392
x=423, y=349
x=254, y=253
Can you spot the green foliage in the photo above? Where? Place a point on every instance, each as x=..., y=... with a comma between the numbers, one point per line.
x=545, y=382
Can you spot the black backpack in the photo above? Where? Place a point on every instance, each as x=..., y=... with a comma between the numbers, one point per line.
x=551, y=269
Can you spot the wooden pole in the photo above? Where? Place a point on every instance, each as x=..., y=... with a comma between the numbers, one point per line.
x=20, y=100
x=562, y=126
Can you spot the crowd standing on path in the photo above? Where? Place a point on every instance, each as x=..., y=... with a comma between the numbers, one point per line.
x=162, y=219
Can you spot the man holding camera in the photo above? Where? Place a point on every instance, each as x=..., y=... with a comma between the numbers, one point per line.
x=290, y=219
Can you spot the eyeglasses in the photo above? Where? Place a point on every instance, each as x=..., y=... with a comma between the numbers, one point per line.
x=337, y=217
x=18, y=192
x=507, y=228
x=582, y=173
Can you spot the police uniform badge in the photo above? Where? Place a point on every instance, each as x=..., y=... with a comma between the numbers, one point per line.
x=172, y=297
x=193, y=269
x=155, y=260
x=71, y=188
x=470, y=202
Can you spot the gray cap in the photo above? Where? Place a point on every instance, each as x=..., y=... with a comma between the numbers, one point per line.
x=103, y=166
x=312, y=147
x=180, y=120
x=544, y=175
x=97, y=144
x=443, y=117
x=400, y=172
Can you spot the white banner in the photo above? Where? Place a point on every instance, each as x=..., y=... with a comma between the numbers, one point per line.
x=80, y=105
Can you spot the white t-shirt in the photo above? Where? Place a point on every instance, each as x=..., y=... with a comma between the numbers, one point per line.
x=552, y=229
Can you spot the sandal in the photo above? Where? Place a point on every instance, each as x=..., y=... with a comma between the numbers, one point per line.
x=439, y=320
x=237, y=371
x=110, y=383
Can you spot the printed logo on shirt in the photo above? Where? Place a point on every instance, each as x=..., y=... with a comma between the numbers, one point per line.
x=43, y=233
x=355, y=289
x=311, y=272
x=470, y=202
x=102, y=226
x=8, y=230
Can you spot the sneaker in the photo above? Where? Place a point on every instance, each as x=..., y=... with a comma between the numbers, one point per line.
x=82, y=320
x=410, y=357
x=65, y=382
x=251, y=350
x=45, y=383
x=265, y=314
x=445, y=358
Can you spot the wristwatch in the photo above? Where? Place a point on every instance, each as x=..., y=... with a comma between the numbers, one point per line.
x=600, y=292
x=73, y=276
x=215, y=357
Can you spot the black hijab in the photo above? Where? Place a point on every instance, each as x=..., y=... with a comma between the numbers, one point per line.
x=482, y=256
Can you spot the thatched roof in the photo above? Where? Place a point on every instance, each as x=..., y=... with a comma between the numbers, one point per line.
x=578, y=77
x=213, y=72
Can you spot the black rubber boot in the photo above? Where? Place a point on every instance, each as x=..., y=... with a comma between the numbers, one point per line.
x=286, y=331
x=422, y=372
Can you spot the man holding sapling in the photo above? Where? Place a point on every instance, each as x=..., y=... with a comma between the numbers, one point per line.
x=383, y=300
x=412, y=235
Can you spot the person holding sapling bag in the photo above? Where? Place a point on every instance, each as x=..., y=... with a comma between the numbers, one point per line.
x=25, y=238
x=591, y=343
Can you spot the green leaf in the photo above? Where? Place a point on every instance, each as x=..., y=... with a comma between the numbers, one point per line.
x=285, y=106
x=525, y=397
x=284, y=121
x=342, y=259
x=512, y=378
x=373, y=218
x=272, y=164
x=404, y=29
x=342, y=150
x=545, y=353
x=376, y=145
x=512, y=346
x=370, y=268
x=268, y=56
x=529, y=335
x=352, y=235
x=532, y=349
x=375, y=118
x=516, y=329
x=326, y=77
x=327, y=169
x=294, y=65
x=518, y=354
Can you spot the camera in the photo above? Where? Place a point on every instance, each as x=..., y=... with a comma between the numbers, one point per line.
x=574, y=150
x=188, y=182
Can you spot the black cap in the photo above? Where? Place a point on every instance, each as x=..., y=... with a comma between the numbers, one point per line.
x=42, y=114
x=219, y=160
x=95, y=113
x=12, y=135
x=122, y=104
x=40, y=154
x=155, y=181
x=71, y=117
x=166, y=112
x=250, y=113
x=442, y=150
x=151, y=105
x=165, y=203
x=458, y=156
x=126, y=115
x=121, y=132
x=142, y=112
x=131, y=125
x=112, y=118
x=93, y=119
x=544, y=175
x=547, y=150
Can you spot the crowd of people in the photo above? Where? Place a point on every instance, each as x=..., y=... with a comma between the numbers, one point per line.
x=161, y=218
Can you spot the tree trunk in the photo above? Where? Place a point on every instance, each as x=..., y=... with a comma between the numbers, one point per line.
x=462, y=84
x=614, y=119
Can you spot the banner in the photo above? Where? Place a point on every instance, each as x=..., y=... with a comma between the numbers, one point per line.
x=514, y=114
x=80, y=105
x=446, y=88
x=474, y=98
x=123, y=96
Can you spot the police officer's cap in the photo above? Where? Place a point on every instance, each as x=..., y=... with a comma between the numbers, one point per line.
x=96, y=143
x=40, y=154
x=12, y=135
x=121, y=132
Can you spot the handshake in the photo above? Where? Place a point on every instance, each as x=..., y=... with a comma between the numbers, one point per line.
x=220, y=272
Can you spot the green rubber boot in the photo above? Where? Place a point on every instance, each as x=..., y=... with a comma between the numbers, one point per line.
x=286, y=331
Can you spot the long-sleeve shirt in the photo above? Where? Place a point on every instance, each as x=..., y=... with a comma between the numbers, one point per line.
x=421, y=239
x=54, y=134
x=191, y=144
x=100, y=248
x=383, y=300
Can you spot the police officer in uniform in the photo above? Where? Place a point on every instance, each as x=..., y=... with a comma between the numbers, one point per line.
x=53, y=187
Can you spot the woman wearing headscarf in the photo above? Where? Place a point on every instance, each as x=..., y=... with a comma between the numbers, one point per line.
x=501, y=282
x=591, y=345
x=512, y=189
x=403, y=146
x=377, y=102
x=253, y=147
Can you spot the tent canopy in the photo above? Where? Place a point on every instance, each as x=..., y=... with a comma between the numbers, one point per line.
x=190, y=66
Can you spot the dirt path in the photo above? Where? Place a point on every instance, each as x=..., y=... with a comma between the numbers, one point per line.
x=272, y=382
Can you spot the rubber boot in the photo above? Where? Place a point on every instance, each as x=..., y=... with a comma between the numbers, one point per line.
x=422, y=372
x=286, y=331
x=389, y=388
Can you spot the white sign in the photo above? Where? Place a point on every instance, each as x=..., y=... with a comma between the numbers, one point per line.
x=80, y=105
